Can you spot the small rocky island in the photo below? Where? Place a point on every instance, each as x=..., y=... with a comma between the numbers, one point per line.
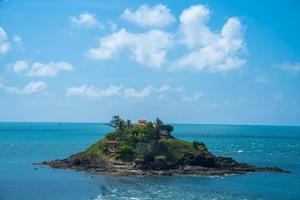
x=148, y=148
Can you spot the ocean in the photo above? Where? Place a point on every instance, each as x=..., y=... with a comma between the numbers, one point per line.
x=22, y=144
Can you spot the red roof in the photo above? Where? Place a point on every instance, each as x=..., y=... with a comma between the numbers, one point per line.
x=142, y=121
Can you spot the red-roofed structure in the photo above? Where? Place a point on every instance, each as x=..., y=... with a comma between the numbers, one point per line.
x=142, y=122
x=112, y=144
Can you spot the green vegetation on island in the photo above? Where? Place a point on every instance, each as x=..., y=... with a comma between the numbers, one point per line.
x=147, y=148
x=148, y=144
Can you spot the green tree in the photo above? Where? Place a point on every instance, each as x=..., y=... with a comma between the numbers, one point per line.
x=125, y=153
x=150, y=132
x=167, y=129
x=118, y=123
x=163, y=129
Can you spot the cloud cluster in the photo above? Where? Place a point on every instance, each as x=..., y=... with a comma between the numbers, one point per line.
x=4, y=44
x=30, y=88
x=113, y=90
x=40, y=69
x=87, y=20
x=216, y=51
x=149, y=48
x=156, y=16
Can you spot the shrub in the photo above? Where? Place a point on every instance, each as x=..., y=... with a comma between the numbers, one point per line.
x=111, y=135
x=125, y=153
x=130, y=139
x=125, y=149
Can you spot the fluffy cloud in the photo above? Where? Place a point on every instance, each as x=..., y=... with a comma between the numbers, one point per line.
x=85, y=20
x=40, y=69
x=92, y=92
x=293, y=68
x=193, y=26
x=156, y=16
x=148, y=48
x=30, y=88
x=4, y=44
x=200, y=47
x=208, y=49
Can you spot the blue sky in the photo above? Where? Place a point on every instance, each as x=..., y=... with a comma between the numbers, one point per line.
x=191, y=62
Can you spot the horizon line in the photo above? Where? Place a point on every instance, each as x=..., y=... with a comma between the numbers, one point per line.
x=182, y=123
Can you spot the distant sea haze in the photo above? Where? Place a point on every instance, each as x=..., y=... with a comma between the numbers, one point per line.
x=22, y=144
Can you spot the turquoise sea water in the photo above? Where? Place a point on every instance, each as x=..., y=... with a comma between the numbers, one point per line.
x=22, y=144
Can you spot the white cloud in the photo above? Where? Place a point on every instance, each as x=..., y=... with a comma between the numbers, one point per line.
x=41, y=69
x=17, y=39
x=164, y=88
x=200, y=47
x=192, y=98
x=193, y=25
x=49, y=69
x=156, y=16
x=30, y=88
x=210, y=50
x=293, y=68
x=85, y=19
x=148, y=48
x=4, y=44
x=92, y=92
x=135, y=94
x=34, y=87
x=146, y=91
x=20, y=66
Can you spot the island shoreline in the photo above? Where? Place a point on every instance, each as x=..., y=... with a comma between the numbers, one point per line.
x=131, y=170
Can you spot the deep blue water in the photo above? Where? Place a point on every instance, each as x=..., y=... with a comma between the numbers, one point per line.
x=22, y=144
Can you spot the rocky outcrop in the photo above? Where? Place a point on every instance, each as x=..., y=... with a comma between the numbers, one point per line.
x=214, y=166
